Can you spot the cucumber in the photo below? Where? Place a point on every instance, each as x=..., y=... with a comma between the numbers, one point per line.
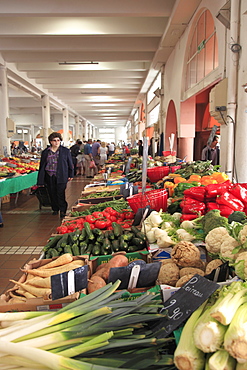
x=83, y=247
x=115, y=246
x=53, y=252
x=75, y=250
x=67, y=249
x=123, y=245
x=138, y=242
x=111, y=235
x=52, y=242
x=117, y=229
x=106, y=247
x=97, y=232
x=96, y=250
x=89, y=248
x=88, y=231
x=142, y=236
x=82, y=235
x=128, y=236
x=135, y=230
x=132, y=248
x=63, y=241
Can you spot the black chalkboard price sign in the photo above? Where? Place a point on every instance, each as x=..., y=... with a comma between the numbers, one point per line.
x=183, y=303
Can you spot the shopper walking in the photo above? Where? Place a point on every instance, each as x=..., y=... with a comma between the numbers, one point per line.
x=103, y=150
x=95, y=154
x=55, y=170
x=111, y=148
x=74, y=150
x=89, y=171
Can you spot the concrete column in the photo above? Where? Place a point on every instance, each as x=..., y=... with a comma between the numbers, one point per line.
x=186, y=148
x=4, y=113
x=86, y=130
x=65, y=126
x=77, y=128
x=46, y=119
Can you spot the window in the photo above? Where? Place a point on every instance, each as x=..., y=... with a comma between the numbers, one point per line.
x=203, y=50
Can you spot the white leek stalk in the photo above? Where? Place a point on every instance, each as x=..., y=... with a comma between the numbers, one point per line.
x=221, y=360
x=236, y=336
x=187, y=356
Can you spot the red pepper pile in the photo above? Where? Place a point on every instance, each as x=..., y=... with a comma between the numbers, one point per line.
x=99, y=220
x=226, y=197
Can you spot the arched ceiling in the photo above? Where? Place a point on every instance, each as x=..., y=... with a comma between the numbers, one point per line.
x=97, y=58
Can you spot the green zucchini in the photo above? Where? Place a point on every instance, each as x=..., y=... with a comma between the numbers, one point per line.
x=138, y=242
x=135, y=230
x=88, y=231
x=96, y=251
x=111, y=235
x=83, y=247
x=115, y=246
x=67, y=249
x=97, y=232
x=132, y=248
x=142, y=236
x=82, y=235
x=75, y=250
x=52, y=242
x=127, y=236
x=63, y=241
x=117, y=229
x=123, y=245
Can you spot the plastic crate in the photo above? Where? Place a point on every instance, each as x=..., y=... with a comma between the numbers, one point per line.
x=169, y=152
x=156, y=199
x=157, y=173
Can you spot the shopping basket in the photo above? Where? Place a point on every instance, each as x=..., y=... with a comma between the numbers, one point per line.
x=156, y=199
x=157, y=173
x=42, y=194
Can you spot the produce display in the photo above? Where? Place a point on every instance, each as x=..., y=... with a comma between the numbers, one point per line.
x=95, y=241
x=99, y=331
x=15, y=165
x=203, y=231
x=37, y=281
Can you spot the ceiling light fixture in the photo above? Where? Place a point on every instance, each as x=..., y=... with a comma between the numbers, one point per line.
x=76, y=63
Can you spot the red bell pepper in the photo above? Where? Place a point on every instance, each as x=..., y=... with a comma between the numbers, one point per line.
x=229, y=200
x=213, y=190
x=196, y=192
x=239, y=192
x=225, y=211
x=193, y=206
x=212, y=205
x=188, y=217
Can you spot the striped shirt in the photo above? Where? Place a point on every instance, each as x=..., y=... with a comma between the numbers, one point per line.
x=51, y=165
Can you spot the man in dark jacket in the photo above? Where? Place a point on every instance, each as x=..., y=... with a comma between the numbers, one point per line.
x=75, y=150
x=212, y=152
x=55, y=170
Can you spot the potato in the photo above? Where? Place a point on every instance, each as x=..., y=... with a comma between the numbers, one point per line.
x=95, y=283
x=199, y=264
x=190, y=270
x=103, y=272
x=101, y=266
x=183, y=280
x=118, y=261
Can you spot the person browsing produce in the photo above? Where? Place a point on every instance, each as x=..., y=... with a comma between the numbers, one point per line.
x=55, y=170
x=212, y=152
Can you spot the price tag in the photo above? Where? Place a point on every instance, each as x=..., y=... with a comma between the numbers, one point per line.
x=69, y=282
x=147, y=275
x=183, y=303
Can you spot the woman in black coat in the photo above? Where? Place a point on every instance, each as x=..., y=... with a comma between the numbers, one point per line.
x=55, y=170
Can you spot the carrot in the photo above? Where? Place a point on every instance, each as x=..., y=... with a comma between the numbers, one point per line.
x=38, y=292
x=39, y=282
x=59, y=261
x=56, y=270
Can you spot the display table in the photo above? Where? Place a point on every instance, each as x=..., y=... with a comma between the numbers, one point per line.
x=18, y=183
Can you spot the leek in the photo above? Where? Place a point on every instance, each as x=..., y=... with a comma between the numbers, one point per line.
x=225, y=309
x=187, y=356
x=221, y=360
x=236, y=336
x=208, y=333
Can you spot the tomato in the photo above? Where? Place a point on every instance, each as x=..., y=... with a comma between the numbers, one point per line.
x=98, y=214
x=125, y=225
x=129, y=215
x=90, y=219
x=100, y=224
x=111, y=211
x=92, y=226
x=108, y=223
x=106, y=214
x=113, y=218
x=109, y=228
x=121, y=216
x=62, y=229
x=80, y=221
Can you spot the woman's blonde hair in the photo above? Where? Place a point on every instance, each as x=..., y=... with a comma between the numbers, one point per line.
x=103, y=144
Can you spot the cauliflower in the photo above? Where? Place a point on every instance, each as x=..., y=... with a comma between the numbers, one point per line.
x=243, y=234
x=226, y=248
x=184, y=254
x=215, y=238
x=241, y=265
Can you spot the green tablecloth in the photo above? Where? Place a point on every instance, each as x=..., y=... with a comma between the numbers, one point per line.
x=19, y=183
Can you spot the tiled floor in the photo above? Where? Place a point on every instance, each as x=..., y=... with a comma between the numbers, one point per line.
x=27, y=229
